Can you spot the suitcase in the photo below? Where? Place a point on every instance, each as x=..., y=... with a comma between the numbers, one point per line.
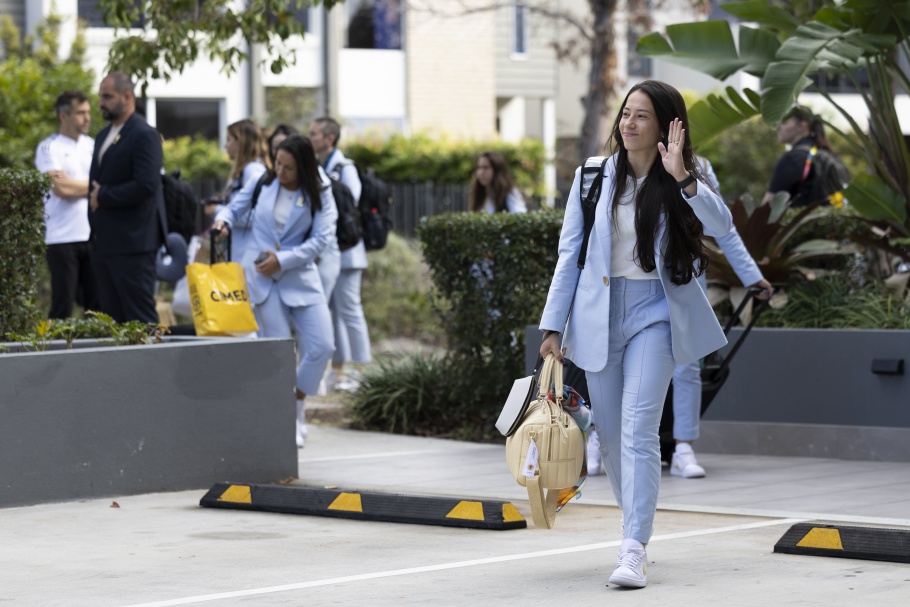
x=714, y=372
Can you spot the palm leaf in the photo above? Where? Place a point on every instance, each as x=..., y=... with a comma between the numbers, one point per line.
x=708, y=47
x=874, y=200
x=761, y=11
x=711, y=116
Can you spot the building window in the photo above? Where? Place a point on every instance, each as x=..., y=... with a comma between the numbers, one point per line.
x=520, y=33
x=636, y=65
x=831, y=83
x=94, y=17
x=187, y=118
x=291, y=105
x=374, y=24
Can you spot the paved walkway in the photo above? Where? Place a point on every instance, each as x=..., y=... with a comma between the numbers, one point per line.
x=713, y=539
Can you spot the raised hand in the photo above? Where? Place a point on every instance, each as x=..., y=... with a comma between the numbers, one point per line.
x=671, y=154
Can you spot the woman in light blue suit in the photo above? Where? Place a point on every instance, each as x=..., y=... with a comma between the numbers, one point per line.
x=293, y=220
x=636, y=308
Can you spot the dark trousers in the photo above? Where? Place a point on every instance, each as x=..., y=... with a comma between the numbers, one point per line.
x=127, y=286
x=72, y=278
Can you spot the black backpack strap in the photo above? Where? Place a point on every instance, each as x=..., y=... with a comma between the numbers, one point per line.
x=592, y=179
x=258, y=190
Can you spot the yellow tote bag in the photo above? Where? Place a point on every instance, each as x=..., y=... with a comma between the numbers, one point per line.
x=221, y=303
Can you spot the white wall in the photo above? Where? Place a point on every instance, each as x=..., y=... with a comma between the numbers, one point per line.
x=371, y=83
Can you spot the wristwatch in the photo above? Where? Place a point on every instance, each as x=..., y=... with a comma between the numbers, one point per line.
x=685, y=182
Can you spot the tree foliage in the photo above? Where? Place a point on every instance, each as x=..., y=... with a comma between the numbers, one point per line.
x=785, y=51
x=159, y=38
x=30, y=80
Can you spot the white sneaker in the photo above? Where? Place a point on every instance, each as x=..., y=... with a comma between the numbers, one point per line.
x=684, y=463
x=301, y=425
x=346, y=384
x=632, y=569
x=592, y=448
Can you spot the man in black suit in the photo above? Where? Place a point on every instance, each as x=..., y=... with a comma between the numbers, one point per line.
x=126, y=205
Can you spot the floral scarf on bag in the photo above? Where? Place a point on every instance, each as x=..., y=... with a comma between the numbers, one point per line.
x=574, y=404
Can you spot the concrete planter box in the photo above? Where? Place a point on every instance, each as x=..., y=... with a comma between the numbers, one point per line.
x=808, y=392
x=101, y=421
x=812, y=392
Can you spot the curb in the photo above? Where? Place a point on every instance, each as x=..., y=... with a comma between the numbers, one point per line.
x=366, y=506
x=869, y=543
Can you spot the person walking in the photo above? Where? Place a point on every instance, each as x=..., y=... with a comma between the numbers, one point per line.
x=687, y=377
x=247, y=148
x=636, y=310
x=802, y=131
x=352, y=337
x=66, y=157
x=126, y=205
x=293, y=222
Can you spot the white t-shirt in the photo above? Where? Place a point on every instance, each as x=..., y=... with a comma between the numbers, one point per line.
x=623, y=238
x=284, y=203
x=66, y=219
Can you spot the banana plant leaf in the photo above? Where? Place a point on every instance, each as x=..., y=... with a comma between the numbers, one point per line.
x=874, y=200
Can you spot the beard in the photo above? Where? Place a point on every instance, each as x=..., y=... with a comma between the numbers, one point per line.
x=113, y=113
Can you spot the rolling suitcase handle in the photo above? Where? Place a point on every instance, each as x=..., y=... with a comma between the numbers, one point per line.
x=763, y=304
x=213, y=252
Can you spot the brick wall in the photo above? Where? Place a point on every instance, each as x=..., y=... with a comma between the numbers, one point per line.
x=450, y=71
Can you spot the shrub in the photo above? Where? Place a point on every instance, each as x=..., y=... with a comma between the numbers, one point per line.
x=197, y=158
x=441, y=160
x=30, y=79
x=396, y=294
x=833, y=302
x=22, y=248
x=494, y=272
x=410, y=395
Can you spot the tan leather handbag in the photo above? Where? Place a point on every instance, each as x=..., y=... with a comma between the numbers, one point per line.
x=547, y=450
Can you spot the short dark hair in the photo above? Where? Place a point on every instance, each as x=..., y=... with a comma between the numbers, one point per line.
x=329, y=126
x=123, y=83
x=66, y=99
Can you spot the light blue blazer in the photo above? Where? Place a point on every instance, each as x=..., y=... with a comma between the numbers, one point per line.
x=694, y=329
x=354, y=258
x=297, y=281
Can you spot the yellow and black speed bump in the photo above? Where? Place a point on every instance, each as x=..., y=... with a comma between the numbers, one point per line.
x=359, y=505
x=867, y=543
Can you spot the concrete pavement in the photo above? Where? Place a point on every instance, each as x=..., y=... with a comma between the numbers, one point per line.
x=712, y=544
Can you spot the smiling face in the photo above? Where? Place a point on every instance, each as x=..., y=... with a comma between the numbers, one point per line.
x=286, y=169
x=638, y=125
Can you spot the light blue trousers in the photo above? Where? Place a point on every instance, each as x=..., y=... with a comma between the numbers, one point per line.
x=313, y=330
x=627, y=398
x=329, y=267
x=352, y=338
x=687, y=395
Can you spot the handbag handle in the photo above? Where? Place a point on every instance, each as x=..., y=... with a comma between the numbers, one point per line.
x=551, y=374
x=213, y=255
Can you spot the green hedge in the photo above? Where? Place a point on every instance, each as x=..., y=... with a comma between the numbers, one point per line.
x=493, y=273
x=424, y=157
x=197, y=158
x=22, y=248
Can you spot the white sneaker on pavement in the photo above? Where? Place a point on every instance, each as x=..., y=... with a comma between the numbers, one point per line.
x=684, y=463
x=632, y=569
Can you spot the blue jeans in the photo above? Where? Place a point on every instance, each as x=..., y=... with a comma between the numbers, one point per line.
x=627, y=398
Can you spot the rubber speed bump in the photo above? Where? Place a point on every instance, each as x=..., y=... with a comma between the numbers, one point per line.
x=867, y=543
x=359, y=505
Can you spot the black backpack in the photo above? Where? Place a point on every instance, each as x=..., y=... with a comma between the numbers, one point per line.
x=375, y=210
x=831, y=175
x=347, y=229
x=180, y=205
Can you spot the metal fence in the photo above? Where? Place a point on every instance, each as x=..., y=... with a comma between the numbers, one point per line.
x=410, y=202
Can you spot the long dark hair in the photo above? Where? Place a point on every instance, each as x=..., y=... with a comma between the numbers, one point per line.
x=501, y=185
x=685, y=256
x=308, y=178
x=816, y=128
